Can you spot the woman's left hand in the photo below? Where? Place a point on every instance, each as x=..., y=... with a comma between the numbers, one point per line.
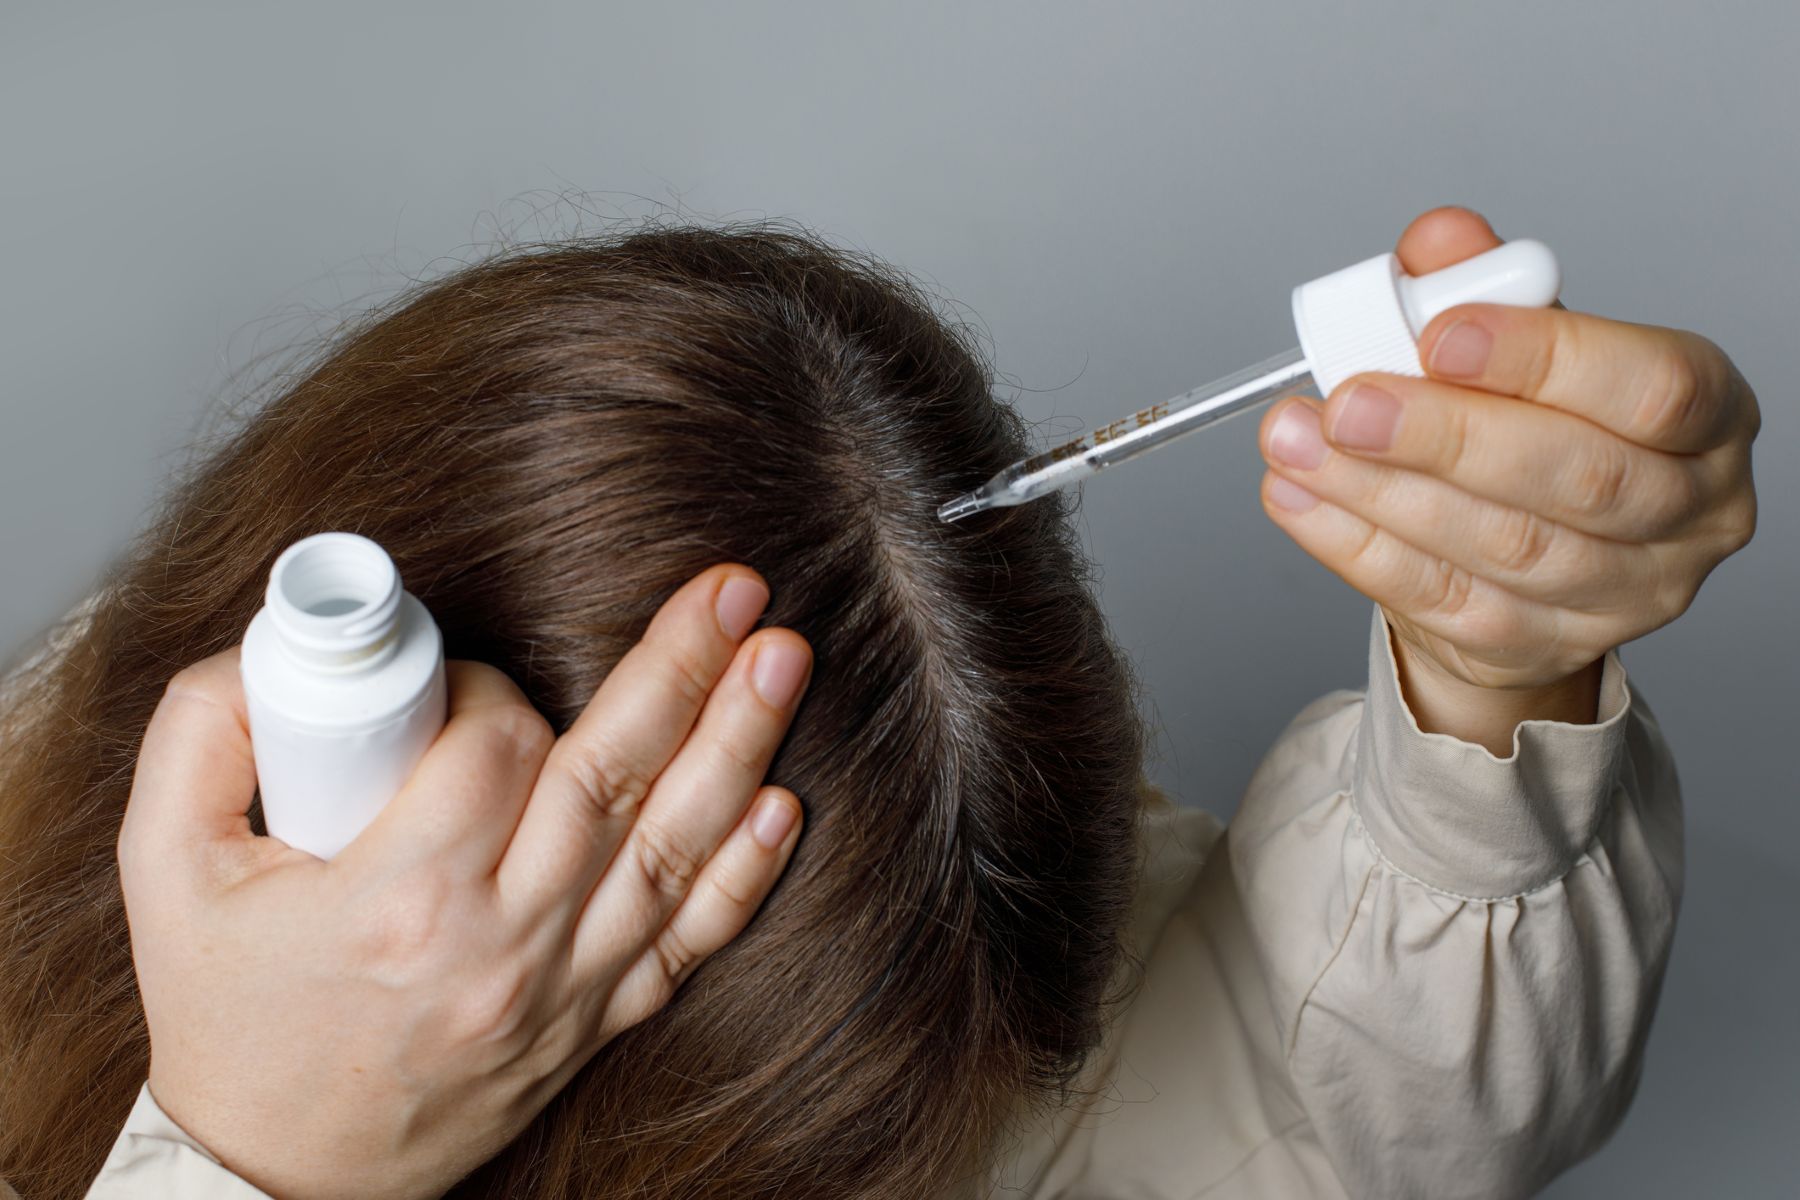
x=1558, y=485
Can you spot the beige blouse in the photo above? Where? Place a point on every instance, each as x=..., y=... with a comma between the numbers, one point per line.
x=1409, y=969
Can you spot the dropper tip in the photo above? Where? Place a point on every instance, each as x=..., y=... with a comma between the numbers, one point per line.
x=964, y=505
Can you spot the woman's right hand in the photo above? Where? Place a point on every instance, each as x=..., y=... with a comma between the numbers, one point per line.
x=379, y=1025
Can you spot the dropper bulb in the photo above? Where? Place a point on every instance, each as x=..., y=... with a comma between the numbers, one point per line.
x=1522, y=273
x=1368, y=316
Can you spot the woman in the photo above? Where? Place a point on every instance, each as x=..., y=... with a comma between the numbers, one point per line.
x=1423, y=962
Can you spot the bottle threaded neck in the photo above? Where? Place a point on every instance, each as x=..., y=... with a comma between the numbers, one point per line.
x=334, y=600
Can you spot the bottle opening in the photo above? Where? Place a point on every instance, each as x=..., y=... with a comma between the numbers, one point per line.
x=335, y=598
x=336, y=606
x=329, y=577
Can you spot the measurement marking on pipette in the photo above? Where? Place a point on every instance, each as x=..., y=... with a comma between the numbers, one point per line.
x=1137, y=420
x=1106, y=433
x=1127, y=437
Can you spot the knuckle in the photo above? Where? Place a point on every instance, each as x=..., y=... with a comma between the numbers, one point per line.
x=1487, y=624
x=470, y=677
x=687, y=678
x=1673, y=592
x=609, y=786
x=1367, y=550
x=1671, y=396
x=1741, y=520
x=1676, y=502
x=676, y=958
x=192, y=682
x=1522, y=543
x=1552, y=352
x=180, y=683
x=1449, y=589
x=1727, y=386
x=483, y=683
x=409, y=924
x=669, y=866
x=186, y=681
x=1732, y=523
x=1454, y=455
x=734, y=891
x=513, y=735
x=493, y=1007
x=1599, y=482
x=737, y=758
x=1709, y=358
x=526, y=729
x=1752, y=409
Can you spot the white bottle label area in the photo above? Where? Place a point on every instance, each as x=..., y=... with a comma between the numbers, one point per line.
x=344, y=684
x=320, y=789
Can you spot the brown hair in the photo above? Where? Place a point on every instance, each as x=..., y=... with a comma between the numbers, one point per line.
x=548, y=443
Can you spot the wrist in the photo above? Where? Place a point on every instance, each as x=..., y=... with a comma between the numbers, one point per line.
x=1487, y=716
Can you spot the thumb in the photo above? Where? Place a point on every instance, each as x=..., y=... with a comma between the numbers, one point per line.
x=195, y=776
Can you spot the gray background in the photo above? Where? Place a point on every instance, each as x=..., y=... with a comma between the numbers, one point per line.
x=1122, y=194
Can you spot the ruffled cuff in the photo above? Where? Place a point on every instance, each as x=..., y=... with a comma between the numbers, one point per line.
x=154, y=1156
x=1451, y=815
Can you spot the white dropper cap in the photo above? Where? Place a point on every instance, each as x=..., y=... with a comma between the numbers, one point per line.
x=1368, y=317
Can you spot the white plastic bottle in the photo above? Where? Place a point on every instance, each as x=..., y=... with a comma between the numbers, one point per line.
x=344, y=681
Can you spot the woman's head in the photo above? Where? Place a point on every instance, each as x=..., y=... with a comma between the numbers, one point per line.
x=547, y=444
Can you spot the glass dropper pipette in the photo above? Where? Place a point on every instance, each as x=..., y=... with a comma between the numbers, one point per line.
x=1143, y=431
x=1366, y=317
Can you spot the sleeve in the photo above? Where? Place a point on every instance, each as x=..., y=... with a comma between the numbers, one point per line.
x=154, y=1157
x=1462, y=952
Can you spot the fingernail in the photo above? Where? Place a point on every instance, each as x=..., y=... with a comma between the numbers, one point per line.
x=740, y=602
x=1296, y=439
x=772, y=822
x=1462, y=353
x=778, y=672
x=1290, y=495
x=1368, y=419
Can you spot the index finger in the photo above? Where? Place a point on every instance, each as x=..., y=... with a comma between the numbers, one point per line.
x=1442, y=237
x=195, y=774
x=600, y=771
x=1661, y=388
